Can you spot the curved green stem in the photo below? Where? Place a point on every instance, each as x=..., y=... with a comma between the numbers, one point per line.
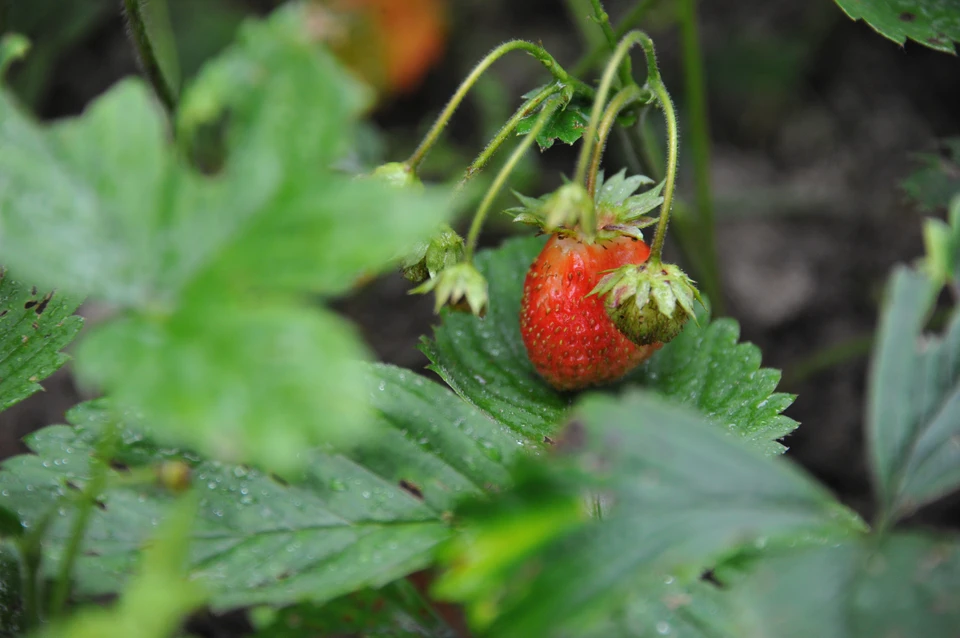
x=148, y=55
x=536, y=51
x=603, y=19
x=619, y=102
x=606, y=82
x=629, y=21
x=673, y=144
x=504, y=133
x=474, y=234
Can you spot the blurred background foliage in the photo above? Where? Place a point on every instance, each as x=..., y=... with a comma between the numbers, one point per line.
x=829, y=144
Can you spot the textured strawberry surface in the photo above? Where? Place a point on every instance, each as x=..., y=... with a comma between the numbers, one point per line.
x=570, y=339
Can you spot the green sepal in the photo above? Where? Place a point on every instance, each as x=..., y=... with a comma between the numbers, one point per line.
x=618, y=208
x=428, y=258
x=650, y=302
x=460, y=286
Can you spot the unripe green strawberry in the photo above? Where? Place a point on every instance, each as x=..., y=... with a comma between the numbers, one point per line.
x=397, y=174
x=649, y=303
x=428, y=258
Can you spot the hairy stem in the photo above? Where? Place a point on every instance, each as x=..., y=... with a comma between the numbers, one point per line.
x=147, y=55
x=536, y=51
x=673, y=144
x=619, y=102
x=603, y=19
x=504, y=133
x=474, y=234
x=631, y=20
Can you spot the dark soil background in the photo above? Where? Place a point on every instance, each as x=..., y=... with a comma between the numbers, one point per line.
x=814, y=121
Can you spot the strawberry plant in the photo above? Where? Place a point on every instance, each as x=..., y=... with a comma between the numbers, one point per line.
x=593, y=452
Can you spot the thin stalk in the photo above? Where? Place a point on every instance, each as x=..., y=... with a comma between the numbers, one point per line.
x=87, y=501
x=629, y=21
x=603, y=19
x=699, y=128
x=147, y=55
x=673, y=144
x=504, y=133
x=606, y=82
x=536, y=51
x=582, y=14
x=619, y=102
x=474, y=234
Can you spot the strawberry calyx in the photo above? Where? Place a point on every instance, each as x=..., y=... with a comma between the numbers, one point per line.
x=649, y=302
x=429, y=257
x=460, y=287
x=617, y=210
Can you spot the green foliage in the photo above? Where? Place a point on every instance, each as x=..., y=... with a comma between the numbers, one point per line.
x=349, y=521
x=942, y=241
x=905, y=585
x=682, y=496
x=485, y=362
x=213, y=342
x=938, y=179
x=396, y=611
x=914, y=405
x=33, y=329
x=932, y=23
x=155, y=600
x=11, y=610
x=567, y=125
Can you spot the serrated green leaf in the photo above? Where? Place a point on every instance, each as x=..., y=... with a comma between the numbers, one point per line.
x=349, y=521
x=395, y=611
x=708, y=369
x=104, y=205
x=908, y=585
x=567, y=125
x=932, y=23
x=938, y=179
x=485, y=362
x=913, y=409
x=156, y=600
x=33, y=329
x=682, y=494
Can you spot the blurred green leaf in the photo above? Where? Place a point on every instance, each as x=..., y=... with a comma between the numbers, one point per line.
x=682, y=495
x=665, y=608
x=906, y=585
x=156, y=600
x=349, y=521
x=11, y=611
x=209, y=269
x=33, y=330
x=485, y=362
x=256, y=379
x=934, y=184
x=941, y=240
x=396, y=611
x=913, y=410
x=932, y=23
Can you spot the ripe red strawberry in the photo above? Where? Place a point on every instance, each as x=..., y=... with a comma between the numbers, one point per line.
x=571, y=341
